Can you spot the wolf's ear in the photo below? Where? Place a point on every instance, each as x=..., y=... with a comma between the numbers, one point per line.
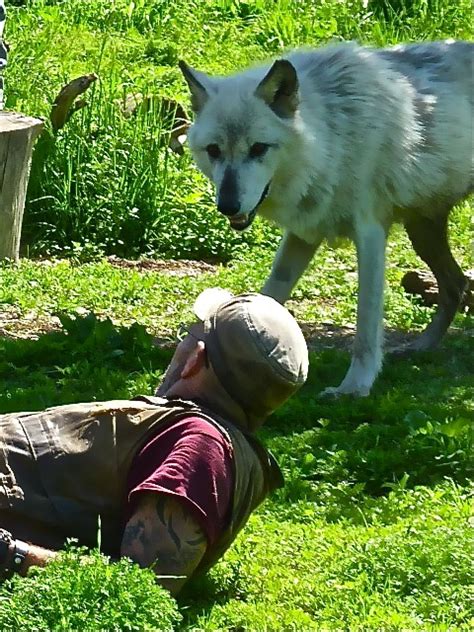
x=194, y=79
x=279, y=89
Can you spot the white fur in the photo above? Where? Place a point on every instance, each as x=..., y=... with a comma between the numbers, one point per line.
x=378, y=136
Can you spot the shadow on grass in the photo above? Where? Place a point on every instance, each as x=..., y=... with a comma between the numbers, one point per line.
x=415, y=426
x=90, y=359
x=415, y=423
x=337, y=455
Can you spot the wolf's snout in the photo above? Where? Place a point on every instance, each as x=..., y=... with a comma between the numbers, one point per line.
x=229, y=211
x=228, y=200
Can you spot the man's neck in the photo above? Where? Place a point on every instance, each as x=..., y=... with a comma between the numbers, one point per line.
x=213, y=397
x=225, y=408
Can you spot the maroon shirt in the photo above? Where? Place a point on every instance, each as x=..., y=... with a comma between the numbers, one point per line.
x=190, y=460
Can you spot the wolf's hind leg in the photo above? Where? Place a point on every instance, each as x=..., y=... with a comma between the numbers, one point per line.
x=429, y=237
x=291, y=260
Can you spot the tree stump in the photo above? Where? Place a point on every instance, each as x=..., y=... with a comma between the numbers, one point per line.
x=17, y=136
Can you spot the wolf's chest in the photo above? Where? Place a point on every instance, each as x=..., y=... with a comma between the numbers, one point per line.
x=309, y=222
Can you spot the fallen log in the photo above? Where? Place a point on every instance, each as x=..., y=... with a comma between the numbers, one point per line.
x=423, y=284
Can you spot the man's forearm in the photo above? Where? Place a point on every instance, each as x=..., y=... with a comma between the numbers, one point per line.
x=162, y=535
x=36, y=556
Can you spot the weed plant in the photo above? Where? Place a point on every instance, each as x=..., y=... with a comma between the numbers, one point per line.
x=85, y=592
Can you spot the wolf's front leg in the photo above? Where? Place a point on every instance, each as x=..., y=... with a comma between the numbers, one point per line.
x=291, y=260
x=367, y=353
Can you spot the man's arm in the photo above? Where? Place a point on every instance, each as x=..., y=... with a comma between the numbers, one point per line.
x=36, y=556
x=160, y=534
x=31, y=555
x=163, y=535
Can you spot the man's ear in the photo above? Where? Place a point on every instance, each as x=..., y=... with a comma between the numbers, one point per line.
x=195, y=361
x=195, y=81
x=279, y=89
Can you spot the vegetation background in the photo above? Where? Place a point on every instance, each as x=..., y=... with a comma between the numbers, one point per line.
x=372, y=528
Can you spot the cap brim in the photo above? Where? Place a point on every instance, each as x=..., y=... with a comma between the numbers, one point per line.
x=209, y=301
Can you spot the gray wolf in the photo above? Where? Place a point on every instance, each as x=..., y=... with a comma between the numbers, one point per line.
x=344, y=141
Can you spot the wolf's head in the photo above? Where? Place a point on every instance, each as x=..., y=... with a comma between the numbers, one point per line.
x=242, y=125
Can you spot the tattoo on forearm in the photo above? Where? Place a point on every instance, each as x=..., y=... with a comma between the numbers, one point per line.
x=168, y=522
x=200, y=537
x=135, y=532
x=164, y=535
x=160, y=508
x=198, y=540
x=173, y=535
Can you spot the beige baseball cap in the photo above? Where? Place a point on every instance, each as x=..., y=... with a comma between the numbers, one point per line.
x=256, y=349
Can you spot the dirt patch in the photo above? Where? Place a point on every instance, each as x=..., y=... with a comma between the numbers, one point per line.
x=173, y=267
x=14, y=324
x=321, y=336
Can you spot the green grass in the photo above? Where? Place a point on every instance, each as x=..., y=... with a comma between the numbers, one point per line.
x=371, y=531
x=376, y=572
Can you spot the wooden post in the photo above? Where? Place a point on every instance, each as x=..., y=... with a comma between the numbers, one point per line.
x=17, y=136
x=3, y=50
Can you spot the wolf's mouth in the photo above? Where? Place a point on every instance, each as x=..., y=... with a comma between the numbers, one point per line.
x=242, y=221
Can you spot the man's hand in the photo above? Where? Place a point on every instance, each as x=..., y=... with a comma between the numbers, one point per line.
x=163, y=535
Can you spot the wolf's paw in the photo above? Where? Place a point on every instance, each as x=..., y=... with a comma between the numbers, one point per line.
x=358, y=380
x=334, y=392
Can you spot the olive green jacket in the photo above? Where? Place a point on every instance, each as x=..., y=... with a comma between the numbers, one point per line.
x=63, y=471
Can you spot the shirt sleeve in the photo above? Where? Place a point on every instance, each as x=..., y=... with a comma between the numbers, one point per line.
x=190, y=460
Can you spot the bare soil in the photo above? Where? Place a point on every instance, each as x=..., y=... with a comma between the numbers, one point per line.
x=173, y=267
x=320, y=336
x=15, y=324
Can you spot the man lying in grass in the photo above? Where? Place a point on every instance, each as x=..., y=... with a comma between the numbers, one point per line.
x=170, y=480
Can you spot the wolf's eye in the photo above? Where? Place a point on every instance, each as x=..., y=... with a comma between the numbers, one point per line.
x=213, y=151
x=258, y=149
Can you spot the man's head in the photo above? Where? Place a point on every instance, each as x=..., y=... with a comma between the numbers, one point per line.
x=253, y=346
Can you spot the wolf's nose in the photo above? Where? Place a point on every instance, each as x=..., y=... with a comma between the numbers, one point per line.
x=228, y=199
x=228, y=209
